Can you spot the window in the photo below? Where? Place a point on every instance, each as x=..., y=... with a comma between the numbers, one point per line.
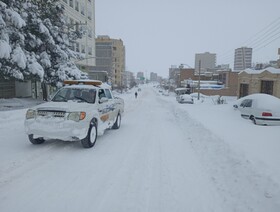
x=71, y=3
x=77, y=5
x=83, y=49
x=246, y=103
x=82, y=8
x=77, y=47
x=89, y=14
x=89, y=50
x=77, y=26
x=101, y=93
x=90, y=32
x=267, y=87
x=108, y=94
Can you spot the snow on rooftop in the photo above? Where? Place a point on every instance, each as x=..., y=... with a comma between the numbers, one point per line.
x=269, y=69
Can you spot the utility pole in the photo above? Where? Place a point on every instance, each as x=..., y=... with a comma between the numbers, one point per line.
x=199, y=67
x=279, y=58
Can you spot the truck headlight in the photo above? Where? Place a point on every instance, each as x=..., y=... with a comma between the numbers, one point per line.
x=30, y=114
x=76, y=116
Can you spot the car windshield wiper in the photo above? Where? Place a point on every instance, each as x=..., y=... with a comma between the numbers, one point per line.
x=64, y=99
x=80, y=98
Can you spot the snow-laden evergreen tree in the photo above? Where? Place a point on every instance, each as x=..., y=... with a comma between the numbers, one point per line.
x=37, y=42
x=13, y=58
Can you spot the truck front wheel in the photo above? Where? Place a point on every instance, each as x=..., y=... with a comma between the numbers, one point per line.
x=90, y=140
x=35, y=140
x=117, y=123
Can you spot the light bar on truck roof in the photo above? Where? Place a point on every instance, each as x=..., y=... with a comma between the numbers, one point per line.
x=82, y=82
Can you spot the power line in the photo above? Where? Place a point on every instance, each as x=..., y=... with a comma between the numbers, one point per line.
x=258, y=41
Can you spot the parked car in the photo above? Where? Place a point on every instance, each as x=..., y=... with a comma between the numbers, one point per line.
x=185, y=98
x=262, y=109
x=181, y=91
x=80, y=110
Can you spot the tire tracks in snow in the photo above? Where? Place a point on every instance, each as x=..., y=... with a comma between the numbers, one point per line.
x=239, y=184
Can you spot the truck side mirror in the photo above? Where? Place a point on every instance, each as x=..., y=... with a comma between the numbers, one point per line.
x=103, y=99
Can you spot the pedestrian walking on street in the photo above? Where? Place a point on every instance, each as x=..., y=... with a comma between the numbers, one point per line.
x=136, y=95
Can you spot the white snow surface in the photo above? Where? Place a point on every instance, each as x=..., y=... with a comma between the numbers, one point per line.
x=16, y=18
x=165, y=157
x=19, y=57
x=269, y=69
x=5, y=50
x=35, y=68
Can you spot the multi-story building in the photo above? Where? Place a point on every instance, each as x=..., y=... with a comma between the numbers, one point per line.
x=153, y=77
x=128, y=79
x=110, y=57
x=140, y=75
x=206, y=61
x=174, y=75
x=81, y=14
x=242, y=58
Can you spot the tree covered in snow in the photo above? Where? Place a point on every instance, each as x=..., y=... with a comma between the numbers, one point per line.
x=13, y=58
x=35, y=42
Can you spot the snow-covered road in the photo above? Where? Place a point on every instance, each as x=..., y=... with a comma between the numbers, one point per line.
x=159, y=160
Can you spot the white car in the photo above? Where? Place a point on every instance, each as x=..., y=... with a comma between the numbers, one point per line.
x=185, y=98
x=262, y=109
x=81, y=110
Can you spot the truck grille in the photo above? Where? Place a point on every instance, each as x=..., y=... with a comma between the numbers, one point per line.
x=47, y=113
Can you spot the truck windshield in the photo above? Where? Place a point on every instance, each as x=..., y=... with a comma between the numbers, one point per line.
x=75, y=94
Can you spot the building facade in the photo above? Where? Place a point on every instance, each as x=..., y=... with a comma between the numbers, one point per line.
x=206, y=61
x=153, y=77
x=259, y=81
x=81, y=14
x=227, y=78
x=110, y=57
x=242, y=58
x=174, y=76
x=128, y=79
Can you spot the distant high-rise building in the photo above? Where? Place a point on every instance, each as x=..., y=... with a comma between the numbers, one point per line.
x=153, y=77
x=243, y=58
x=110, y=57
x=81, y=14
x=140, y=75
x=207, y=62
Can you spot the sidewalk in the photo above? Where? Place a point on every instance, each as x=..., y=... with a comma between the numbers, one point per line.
x=18, y=103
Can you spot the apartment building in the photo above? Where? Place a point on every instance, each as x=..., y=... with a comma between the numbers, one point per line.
x=110, y=57
x=207, y=62
x=242, y=58
x=81, y=14
x=153, y=77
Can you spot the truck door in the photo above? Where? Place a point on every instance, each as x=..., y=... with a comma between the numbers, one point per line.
x=112, y=105
x=103, y=107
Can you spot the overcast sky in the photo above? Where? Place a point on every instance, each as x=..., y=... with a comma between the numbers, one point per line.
x=161, y=33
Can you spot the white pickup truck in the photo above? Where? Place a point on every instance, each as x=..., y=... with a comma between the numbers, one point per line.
x=81, y=110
